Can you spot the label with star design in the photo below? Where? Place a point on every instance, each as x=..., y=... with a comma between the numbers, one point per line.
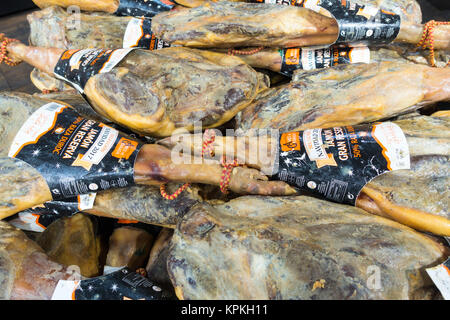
x=38, y=218
x=336, y=163
x=77, y=66
x=143, y=8
x=139, y=35
x=357, y=23
x=76, y=156
x=123, y=284
x=309, y=58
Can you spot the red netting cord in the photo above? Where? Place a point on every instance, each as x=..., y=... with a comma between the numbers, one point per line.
x=427, y=40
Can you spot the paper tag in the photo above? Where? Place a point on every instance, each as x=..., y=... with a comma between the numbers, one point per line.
x=336, y=163
x=441, y=278
x=65, y=290
x=76, y=156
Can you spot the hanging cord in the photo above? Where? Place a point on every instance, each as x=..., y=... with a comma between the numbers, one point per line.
x=208, y=141
x=233, y=52
x=427, y=40
x=4, y=53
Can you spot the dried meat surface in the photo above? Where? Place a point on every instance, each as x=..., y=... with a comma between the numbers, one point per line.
x=297, y=248
x=346, y=94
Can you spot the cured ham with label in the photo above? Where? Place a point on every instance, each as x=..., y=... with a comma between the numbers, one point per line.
x=197, y=87
x=397, y=195
x=22, y=187
x=235, y=24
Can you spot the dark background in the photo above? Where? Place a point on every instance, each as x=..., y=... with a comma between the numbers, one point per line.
x=13, y=22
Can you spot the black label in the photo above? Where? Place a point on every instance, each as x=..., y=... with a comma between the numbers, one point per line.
x=120, y=285
x=76, y=156
x=337, y=163
x=357, y=23
x=139, y=35
x=309, y=59
x=78, y=66
x=362, y=24
x=143, y=8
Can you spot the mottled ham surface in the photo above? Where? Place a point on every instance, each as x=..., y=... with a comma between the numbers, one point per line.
x=297, y=248
x=346, y=94
x=226, y=24
x=409, y=10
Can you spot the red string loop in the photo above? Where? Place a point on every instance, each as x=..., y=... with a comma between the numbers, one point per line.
x=209, y=138
x=427, y=40
x=4, y=53
x=233, y=52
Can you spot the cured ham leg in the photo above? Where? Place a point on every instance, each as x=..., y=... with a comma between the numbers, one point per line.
x=227, y=25
x=346, y=95
x=22, y=187
x=26, y=272
x=398, y=195
x=409, y=10
x=298, y=248
x=197, y=87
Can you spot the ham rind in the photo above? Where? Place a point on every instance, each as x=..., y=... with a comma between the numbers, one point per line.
x=234, y=24
x=146, y=205
x=297, y=248
x=26, y=272
x=346, y=94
